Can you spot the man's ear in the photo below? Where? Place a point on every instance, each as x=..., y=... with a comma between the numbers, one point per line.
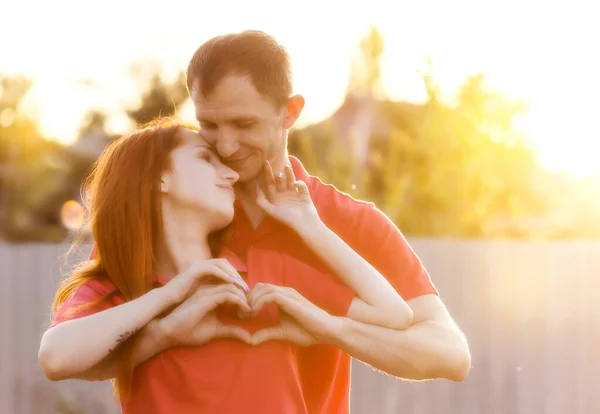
x=293, y=110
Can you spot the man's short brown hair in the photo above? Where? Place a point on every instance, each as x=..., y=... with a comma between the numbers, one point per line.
x=252, y=53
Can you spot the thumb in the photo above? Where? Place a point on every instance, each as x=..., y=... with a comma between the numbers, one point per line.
x=274, y=333
x=234, y=332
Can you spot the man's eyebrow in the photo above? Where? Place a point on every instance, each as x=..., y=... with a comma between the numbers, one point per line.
x=244, y=119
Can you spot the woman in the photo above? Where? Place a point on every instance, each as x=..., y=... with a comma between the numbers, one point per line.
x=156, y=199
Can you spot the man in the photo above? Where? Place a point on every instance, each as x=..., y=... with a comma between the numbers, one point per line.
x=241, y=86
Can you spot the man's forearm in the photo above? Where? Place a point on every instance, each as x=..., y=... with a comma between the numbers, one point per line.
x=148, y=345
x=427, y=350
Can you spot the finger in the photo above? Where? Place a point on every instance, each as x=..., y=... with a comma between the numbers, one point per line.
x=271, y=186
x=280, y=182
x=290, y=179
x=218, y=295
x=260, y=301
x=222, y=298
x=243, y=315
x=274, y=333
x=222, y=270
x=202, y=270
x=195, y=308
x=300, y=310
x=267, y=293
x=228, y=268
x=208, y=290
x=259, y=290
x=301, y=187
x=262, y=201
x=233, y=332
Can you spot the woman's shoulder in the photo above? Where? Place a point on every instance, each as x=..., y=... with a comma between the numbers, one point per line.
x=89, y=297
x=100, y=285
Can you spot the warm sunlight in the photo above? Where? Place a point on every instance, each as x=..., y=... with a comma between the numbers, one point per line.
x=562, y=146
x=85, y=65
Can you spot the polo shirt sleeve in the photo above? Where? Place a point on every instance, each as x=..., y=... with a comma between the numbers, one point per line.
x=386, y=249
x=320, y=288
x=79, y=304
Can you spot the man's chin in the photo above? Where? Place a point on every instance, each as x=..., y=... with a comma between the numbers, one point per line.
x=249, y=175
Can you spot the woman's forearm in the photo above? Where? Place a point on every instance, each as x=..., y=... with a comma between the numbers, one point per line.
x=76, y=346
x=148, y=344
x=381, y=301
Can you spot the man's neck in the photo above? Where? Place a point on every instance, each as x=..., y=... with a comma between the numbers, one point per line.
x=246, y=193
x=185, y=241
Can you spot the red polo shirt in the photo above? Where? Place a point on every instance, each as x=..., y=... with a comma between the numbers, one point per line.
x=225, y=376
x=324, y=371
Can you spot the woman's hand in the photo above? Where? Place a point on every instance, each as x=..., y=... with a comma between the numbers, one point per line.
x=287, y=199
x=194, y=322
x=201, y=272
x=301, y=321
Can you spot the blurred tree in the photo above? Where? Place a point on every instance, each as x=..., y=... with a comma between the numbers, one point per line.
x=38, y=176
x=365, y=77
x=364, y=87
x=94, y=122
x=34, y=172
x=465, y=166
x=159, y=98
x=440, y=170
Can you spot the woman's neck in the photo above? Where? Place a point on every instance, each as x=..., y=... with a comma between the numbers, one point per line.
x=185, y=241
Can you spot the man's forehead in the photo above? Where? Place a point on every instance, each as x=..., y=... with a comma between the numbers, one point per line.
x=224, y=107
x=225, y=115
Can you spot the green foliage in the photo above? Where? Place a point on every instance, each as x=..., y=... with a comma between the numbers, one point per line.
x=31, y=171
x=159, y=99
x=442, y=170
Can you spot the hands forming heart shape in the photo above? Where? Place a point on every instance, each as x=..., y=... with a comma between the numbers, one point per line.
x=194, y=322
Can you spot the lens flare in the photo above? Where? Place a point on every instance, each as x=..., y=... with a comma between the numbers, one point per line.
x=72, y=215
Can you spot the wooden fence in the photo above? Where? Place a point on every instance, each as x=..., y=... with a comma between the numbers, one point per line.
x=529, y=309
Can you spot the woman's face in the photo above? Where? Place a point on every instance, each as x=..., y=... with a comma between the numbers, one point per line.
x=197, y=180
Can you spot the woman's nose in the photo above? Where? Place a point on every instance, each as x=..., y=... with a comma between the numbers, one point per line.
x=230, y=175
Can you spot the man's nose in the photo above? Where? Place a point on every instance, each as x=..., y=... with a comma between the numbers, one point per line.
x=226, y=143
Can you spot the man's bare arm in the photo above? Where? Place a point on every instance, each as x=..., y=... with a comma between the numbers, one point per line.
x=432, y=347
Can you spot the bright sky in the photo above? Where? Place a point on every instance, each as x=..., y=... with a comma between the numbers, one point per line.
x=528, y=49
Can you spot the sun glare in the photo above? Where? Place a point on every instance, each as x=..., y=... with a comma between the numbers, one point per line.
x=554, y=70
x=565, y=138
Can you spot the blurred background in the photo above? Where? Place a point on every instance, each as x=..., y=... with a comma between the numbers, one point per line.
x=473, y=125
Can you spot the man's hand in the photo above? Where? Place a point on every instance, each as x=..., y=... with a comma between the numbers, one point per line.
x=301, y=321
x=194, y=322
x=287, y=200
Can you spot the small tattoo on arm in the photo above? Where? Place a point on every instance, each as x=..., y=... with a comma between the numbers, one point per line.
x=122, y=338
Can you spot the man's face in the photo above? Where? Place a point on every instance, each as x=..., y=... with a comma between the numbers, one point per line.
x=244, y=127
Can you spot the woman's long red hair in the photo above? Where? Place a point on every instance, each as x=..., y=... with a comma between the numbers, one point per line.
x=123, y=200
